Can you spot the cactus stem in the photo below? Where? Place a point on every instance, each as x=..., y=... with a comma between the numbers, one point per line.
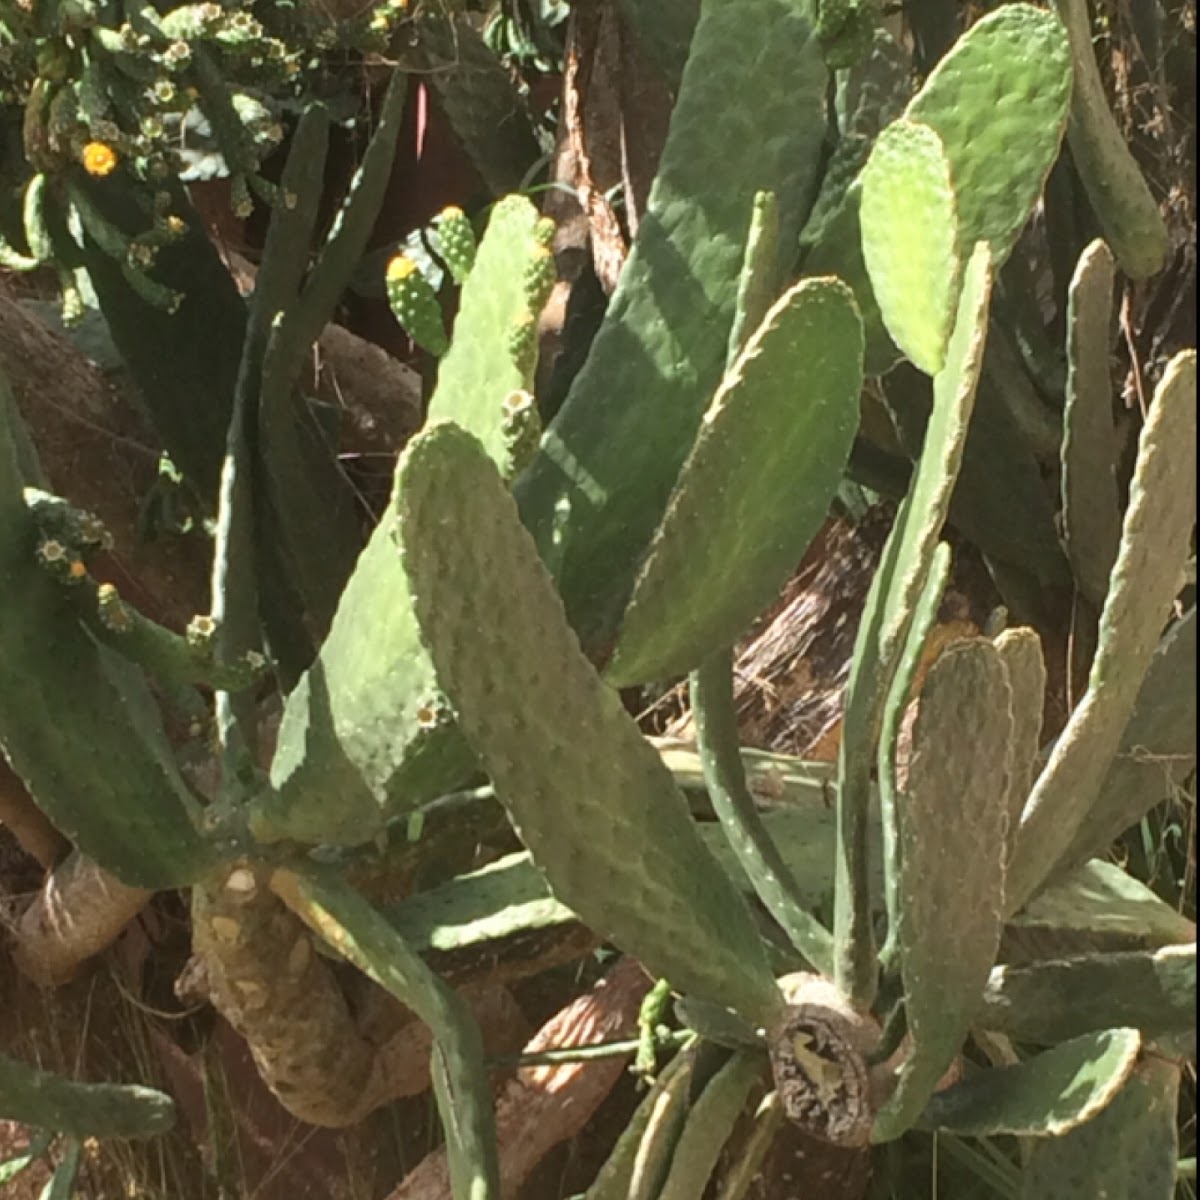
x=711, y=687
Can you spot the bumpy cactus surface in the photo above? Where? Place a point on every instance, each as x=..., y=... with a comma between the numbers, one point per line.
x=590, y=799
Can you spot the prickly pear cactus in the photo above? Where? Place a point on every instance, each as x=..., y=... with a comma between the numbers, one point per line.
x=596, y=493
x=586, y=793
x=502, y=298
x=95, y=1110
x=999, y=102
x=1047, y=1095
x=1155, y=537
x=367, y=722
x=755, y=488
x=79, y=725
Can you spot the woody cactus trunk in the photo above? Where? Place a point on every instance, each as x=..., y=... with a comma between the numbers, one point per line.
x=798, y=243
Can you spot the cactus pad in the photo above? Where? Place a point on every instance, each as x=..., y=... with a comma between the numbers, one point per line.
x=909, y=220
x=755, y=489
x=454, y=240
x=596, y=493
x=1127, y=1152
x=999, y=101
x=952, y=822
x=589, y=797
x=1047, y=1095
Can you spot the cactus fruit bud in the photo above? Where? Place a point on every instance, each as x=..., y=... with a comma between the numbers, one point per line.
x=522, y=430
x=415, y=305
x=540, y=276
x=455, y=242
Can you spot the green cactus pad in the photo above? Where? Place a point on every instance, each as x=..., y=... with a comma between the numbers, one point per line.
x=1115, y=185
x=710, y=1121
x=1155, y=540
x=356, y=741
x=755, y=489
x=353, y=726
x=589, y=797
x=415, y=305
x=98, y=1110
x=454, y=240
x=78, y=724
x=1153, y=991
x=1128, y=1152
x=951, y=827
x=1021, y=651
x=1091, y=503
x=999, y=101
x=909, y=222
x=596, y=493
x=1101, y=906
x=889, y=611
x=1046, y=1096
x=1157, y=750
x=489, y=360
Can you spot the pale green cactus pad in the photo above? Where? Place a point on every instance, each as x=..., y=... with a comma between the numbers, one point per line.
x=999, y=101
x=909, y=220
x=1155, y=540
x=1153, y=991
x=589, y=797
x=1127, y=1152
x=952, y=820
x=1047, y=1095
x=1091, y=503
x=890, y=608
x=1157, y=750
x=755, y=489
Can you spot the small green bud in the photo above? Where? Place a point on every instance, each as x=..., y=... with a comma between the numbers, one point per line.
x=415, y=305
x=455, y=242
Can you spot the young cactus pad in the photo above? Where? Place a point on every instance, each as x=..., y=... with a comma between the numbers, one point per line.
x=909, y=222
x=999, y=102
x=454, y=240
x=586, y=793
x=754, y=491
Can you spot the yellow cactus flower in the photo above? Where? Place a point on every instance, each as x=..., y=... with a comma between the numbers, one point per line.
x=400, y=267
x=99, y=159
